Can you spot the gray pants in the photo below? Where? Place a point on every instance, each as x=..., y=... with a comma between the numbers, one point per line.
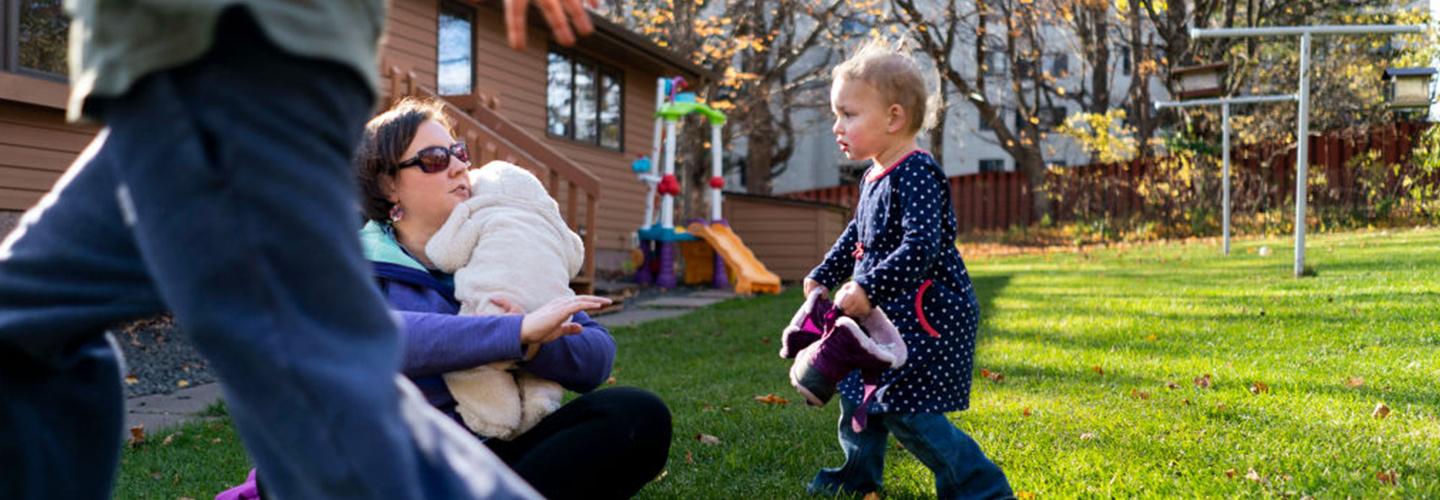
x=221, y=190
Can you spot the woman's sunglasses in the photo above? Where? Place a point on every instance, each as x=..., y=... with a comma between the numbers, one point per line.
x=437, y=158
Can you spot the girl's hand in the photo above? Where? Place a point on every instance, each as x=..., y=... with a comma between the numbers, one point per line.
x=853, y=300
x=552, y=321
x=811, y=285
x=507, y=306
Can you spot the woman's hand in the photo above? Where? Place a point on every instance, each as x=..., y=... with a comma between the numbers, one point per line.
x=552, y=320
x=853, y=300
x=811, y=285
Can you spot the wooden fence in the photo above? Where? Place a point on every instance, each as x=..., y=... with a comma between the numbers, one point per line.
x=1263, y=179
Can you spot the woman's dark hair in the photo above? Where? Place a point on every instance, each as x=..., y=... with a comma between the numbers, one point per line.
x=387, y=136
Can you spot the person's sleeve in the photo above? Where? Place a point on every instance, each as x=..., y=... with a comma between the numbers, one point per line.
x=438, y=343
x=922, y=204
x=839, y=261
x=579, y=362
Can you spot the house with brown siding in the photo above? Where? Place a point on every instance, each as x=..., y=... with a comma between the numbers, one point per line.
x=576, y=117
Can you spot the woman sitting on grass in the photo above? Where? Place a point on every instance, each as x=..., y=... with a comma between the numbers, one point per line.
x=603, y=444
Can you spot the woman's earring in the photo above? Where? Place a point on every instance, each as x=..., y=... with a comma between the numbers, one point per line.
x=396, y=213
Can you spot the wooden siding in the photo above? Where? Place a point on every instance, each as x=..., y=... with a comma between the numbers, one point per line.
x=790, y=238
x=36, y=146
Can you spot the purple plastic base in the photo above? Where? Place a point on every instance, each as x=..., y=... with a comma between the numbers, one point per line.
x=646, y=274
x=666, y=277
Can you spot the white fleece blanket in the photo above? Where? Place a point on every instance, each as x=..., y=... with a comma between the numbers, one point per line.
x=508, y=240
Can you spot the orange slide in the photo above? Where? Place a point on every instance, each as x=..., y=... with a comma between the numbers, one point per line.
x=747, y=273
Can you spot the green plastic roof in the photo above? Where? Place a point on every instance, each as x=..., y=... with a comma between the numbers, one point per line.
x=674, y=111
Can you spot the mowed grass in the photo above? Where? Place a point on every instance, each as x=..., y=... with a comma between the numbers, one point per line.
x=1099, y=352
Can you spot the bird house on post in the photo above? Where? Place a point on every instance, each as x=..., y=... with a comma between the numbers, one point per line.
x=1200, y=81
x=1408, y=87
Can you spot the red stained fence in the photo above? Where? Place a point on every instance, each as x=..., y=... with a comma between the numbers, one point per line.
x=1264, y=178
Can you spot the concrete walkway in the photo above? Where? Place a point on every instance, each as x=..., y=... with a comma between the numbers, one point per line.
x=159, y=411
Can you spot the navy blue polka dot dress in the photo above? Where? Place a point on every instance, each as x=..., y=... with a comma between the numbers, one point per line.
x=901, y=248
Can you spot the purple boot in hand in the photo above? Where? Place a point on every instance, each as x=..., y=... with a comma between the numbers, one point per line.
x=843, y=348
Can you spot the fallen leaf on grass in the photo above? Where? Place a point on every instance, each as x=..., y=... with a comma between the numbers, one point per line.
x=1230, y=473
x=131, y=379
x=610, y=380
x=707, y=439
x=215, y=441
x=1152, y=337
x=1381, y=411
x=1139, y=394
x=1354, y=382
x=137, y=435
x=1172, y=386
x=169, y=439
x=689, y=459
x=1098, y=370
x=771, y=399
x=1259, y=387
x=872, y=496
x=1203, y=381
x=1253, y=476
x=182, y=383
x=765, y=340
x=1087, y=436
x=1387, y=477
x=1024, y=495
x=1026, y=411
x=996, y=377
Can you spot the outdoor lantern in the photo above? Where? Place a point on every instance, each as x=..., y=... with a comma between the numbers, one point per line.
x=1408, y=87
x=1200, y=81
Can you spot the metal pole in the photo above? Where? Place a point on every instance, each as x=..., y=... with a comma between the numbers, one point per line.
x=1302, y=155
x=1225, y=174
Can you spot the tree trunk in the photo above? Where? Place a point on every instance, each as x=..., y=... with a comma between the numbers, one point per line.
x=760, y=146
x=1033, y=166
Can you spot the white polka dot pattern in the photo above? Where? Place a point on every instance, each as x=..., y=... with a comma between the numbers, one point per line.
x=906, y=225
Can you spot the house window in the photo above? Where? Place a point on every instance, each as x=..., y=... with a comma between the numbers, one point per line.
x=1056, y=164
x=584, y=101
x=1050, y=117
x=1125, y=62
x=35, y=40
x=992, y=165
x=455, y=50
x=995, y=63
x=1059, y=65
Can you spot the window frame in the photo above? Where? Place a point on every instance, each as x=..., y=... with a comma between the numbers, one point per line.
x=602, y=71
x=440, y=11
x=980, y=165
x=10, y=51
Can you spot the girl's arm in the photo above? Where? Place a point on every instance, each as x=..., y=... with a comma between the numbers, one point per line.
x=922, y=201
x=579, y=362
x=839, y=261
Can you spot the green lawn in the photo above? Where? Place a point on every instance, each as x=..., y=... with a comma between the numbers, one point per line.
x=1365, y=330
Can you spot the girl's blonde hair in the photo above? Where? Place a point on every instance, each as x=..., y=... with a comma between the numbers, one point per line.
x=888, y=67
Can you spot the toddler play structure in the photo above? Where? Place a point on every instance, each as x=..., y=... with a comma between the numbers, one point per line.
x=712, y=252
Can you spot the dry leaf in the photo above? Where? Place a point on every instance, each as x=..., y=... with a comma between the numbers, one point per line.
x=1203, y=381
x=1354, y=382
x=771, y=399
x=765, y=341
x=182, y=383
x=1230, y=473
x=872, y=496
x=1253, y=476
x=1381, y=411
x=215, y=441
x=996, y=377
x=1259, y=387
x=1387, y=477
x=689, y=459
x=1139, y=394
x=168, y=439
x=1152, y=337
x=131, y=379
x=1098, y=370
x=1026, y=411
x=610, y=380
x=1186, y=402
x=1087, y=436
x=137, y=434
x=707, y=439
x=1024, y=495
x=1172, y=386
x=1220, y=407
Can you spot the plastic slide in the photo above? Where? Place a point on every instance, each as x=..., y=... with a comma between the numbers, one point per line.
x=747, y=273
